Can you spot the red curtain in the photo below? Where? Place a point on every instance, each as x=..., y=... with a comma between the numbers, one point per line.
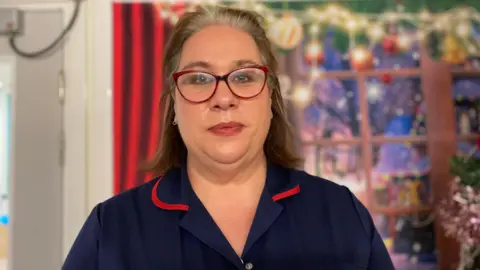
x=139, y=38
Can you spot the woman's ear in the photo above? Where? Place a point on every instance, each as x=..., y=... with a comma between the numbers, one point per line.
x=271, y=107
x=175, y=119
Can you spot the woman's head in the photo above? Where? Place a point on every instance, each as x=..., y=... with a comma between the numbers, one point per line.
x=221, y=100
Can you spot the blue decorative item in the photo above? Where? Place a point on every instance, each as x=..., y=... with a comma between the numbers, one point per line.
x=399, y=126
x=4, y=220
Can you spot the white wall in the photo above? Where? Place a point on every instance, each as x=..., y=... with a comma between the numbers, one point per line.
x=88, y=177
x=89, y=136
x=100, y=125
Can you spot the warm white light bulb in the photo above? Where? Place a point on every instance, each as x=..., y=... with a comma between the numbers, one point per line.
x=359, y=55
x=425, y=15
x=302, y=95
x=314, y=29
x=421, y=35
x=376, y=32
x=333, y=10
x=439, y=25
x=164, y=14
x=258, y=8
x=352, y=25
x=391, y=16
x=404, y=41
x=271, y=18
x=463, y=13
x=363, y=22
x=311, y=11
x=374, y=92
x=174, y=19
x=463, y=29
x=314, y=49
x=472, y=49
x=334, y=20
x=315, y=73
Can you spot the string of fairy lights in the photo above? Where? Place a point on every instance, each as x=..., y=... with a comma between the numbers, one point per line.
x=288, y=29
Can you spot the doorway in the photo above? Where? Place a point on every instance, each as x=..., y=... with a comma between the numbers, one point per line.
x=31, y=117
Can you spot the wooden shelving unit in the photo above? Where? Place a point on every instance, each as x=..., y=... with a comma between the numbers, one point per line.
x=347, y=74
x=469, y=137
x=401, y=211
x=399, y=139
x=440, y=140
x=375, y=140
x=328, y=142
x=465, y=72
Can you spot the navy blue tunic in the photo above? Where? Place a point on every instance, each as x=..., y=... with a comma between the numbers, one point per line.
x=302, y=222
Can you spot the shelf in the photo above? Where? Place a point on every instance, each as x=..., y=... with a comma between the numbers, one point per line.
x=348, y=74
x=330, y=142
x=469, y=137
x=466, y=73
x=399, y=139
x=401, y=211
x=374, y=140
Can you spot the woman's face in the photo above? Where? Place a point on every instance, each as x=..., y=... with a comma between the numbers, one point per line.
x=224, y=129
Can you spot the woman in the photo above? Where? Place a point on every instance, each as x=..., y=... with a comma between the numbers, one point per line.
x=229, y=196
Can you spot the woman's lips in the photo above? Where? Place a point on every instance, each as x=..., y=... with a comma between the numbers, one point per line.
x=227, y=129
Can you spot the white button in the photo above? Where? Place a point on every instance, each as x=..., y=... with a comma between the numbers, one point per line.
x=248, y=266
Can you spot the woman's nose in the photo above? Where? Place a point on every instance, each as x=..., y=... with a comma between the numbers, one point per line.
x=223, y=98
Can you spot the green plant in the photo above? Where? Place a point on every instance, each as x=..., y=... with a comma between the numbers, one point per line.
x=467, y=169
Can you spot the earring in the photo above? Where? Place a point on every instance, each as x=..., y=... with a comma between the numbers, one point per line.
x=174, y=122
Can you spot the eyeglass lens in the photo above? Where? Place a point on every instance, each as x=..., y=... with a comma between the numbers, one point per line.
x=199, y=86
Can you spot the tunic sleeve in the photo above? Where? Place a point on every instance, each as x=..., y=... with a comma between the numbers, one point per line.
x=84, y=252
x=379, y=256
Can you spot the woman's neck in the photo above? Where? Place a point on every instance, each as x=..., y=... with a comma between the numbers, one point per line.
x=243, y=178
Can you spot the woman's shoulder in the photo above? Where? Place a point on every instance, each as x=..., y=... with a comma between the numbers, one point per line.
x=127, y=204
x=332, y=199
x=315, y=185
x=137, y=194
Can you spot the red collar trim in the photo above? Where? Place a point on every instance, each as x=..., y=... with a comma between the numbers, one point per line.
x=286, y=194
x=183, y=207
x=166, y=206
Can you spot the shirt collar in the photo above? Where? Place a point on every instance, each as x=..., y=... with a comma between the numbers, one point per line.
x=173, y=190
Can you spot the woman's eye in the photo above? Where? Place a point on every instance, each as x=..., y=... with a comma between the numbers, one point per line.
x=197, y=79
x=242, y=77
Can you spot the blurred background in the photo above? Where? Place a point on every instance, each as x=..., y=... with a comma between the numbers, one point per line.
x=384, y=96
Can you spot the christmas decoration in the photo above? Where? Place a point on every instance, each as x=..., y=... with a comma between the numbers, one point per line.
x=302, y=95
x=386, y=78
x=287, y=32
x=314, y=53
x=464, y=124
x=361, y=59
x=419, y=127
x=404, y=41
x=460, y=213
x=453, y=52
x=172, y=11
x=285, y=85
x=389, y=44
x=450, y=35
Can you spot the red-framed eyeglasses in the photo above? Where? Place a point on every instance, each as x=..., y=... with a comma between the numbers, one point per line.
x=199, y=86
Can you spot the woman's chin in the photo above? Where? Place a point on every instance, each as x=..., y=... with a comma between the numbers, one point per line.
x=227, y=156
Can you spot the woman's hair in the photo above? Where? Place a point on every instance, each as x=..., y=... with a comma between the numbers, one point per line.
x=279, y=145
